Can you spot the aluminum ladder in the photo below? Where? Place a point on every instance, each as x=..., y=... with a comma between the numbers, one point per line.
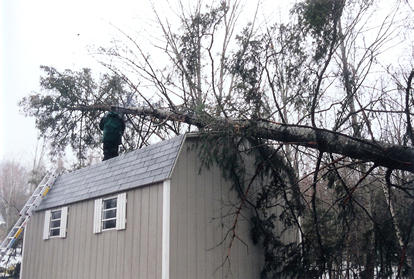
x=27, y=211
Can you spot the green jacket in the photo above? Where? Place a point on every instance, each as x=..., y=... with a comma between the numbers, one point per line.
x=113, y=127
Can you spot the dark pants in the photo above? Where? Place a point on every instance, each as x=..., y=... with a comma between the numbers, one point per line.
x=110, y=150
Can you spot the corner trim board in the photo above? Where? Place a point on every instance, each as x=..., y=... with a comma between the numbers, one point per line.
x=166, y=198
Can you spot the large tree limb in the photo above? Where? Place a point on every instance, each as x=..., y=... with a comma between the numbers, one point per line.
x=380, y=153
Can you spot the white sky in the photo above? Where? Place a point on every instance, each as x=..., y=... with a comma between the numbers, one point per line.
x=51, y=33
x=54, y=33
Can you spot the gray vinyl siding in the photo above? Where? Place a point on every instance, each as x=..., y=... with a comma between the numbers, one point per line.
x=131, y=253
x=202, y=214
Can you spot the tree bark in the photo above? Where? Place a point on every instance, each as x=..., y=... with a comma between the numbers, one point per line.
x=379, y=153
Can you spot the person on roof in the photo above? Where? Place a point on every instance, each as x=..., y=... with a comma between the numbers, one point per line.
x=113, y=126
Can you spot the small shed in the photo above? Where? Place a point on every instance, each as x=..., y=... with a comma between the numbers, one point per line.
x=151, y=213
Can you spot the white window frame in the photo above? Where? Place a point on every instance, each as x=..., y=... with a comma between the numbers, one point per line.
x=120, y=213
x=110, y=209
x=63, y=223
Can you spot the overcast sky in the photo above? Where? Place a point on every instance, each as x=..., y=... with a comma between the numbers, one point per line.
x=51, y=33
x=54, y=33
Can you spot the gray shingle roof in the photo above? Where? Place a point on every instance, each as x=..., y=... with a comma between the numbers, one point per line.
x=144, y=166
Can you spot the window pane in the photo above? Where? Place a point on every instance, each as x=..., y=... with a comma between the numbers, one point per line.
x=55, y=224
x=109, y=214
x=55, y=232
x=111, y=203
x=110, y=224
x=56, y=214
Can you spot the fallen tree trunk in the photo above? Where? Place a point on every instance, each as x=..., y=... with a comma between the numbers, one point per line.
x=380, y=153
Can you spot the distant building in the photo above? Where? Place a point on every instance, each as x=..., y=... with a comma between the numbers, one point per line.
x=151, y=213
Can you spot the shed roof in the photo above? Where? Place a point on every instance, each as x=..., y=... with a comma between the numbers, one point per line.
x=141, y=167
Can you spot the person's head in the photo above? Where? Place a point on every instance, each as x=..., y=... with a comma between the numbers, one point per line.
x=113, y=108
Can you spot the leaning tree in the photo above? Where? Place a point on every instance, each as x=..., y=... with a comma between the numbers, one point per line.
x=324, y=99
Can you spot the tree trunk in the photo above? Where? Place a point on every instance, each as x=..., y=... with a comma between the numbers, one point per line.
x=380, y=153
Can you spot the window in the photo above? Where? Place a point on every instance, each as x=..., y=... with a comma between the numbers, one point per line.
x=110, y=213
x=55, y=223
